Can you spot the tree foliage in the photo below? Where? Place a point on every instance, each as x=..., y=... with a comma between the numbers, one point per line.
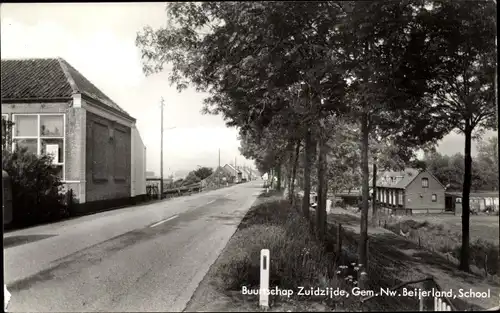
x=6, y=134
x=203, y=172
x=352, y=82
x=36, y=187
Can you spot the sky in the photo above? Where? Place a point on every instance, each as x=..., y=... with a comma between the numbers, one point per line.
x=98, y=39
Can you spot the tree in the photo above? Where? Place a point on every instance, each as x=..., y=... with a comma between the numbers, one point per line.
x=273, y=47
x=6, y=134
x=203, y=172
x=462, y=41
x=487, y=163
x=191, y=179
x=385, y=82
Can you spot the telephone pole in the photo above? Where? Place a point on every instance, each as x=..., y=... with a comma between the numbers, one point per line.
x=218, y=172
x=161, y=149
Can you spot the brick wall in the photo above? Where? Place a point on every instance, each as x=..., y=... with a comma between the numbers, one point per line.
x=108, y=152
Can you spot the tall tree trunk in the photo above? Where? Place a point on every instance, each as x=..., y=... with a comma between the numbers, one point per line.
x=278, y=176
x=289, y=172
x=464, y=252
x=294, y=171
x=307, y=174
x=322, y=187
x=374, y=193
x=365, y=189
x=272, y=178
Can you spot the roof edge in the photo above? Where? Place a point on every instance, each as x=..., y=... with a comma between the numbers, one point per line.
x=104, y=106
x=432, y=175
x=41, y=100
x=69, y=78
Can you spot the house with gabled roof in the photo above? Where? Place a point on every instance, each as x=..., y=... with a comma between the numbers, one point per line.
x=95, y=143
x=233, y=172
x=410, y=191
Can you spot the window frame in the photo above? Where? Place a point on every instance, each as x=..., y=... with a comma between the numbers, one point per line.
x=39, y=138
x=426, y=180
x=434, y=197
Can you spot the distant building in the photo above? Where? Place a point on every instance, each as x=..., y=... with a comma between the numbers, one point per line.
x=411, y=191
x=235, y=174
x=479, y=201
x=96, y=145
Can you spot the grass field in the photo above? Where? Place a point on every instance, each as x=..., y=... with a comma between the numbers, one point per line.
x=443, y=233
x=484, y=227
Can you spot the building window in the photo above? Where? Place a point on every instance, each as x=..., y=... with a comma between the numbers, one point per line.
x=434, y=197
x=425, y=183
x=400, y=197
x=41, y=134
x=459, y=200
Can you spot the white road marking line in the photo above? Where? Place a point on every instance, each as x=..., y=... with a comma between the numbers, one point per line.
x=164, y=221
x=211, y=201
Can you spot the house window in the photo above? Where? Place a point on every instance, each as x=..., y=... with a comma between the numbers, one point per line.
x=434, y=197
x=425, y=183
x=400, y=197
x=41, y=134
x=459, y=200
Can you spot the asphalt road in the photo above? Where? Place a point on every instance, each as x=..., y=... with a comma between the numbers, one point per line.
x=142, y=258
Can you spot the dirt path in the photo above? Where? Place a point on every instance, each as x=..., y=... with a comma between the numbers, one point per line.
x=404, y=260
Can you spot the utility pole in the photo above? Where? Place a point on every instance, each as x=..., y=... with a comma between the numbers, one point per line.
x=161, y=149
x=218, y=172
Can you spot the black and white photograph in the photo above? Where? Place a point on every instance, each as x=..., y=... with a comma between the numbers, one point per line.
x=250, y=156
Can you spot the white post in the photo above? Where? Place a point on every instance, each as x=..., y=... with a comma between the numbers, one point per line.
x=435, y=303
x=439, y=304
x=7, y=296
x=264, y=278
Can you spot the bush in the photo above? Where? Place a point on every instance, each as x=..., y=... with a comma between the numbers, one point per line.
x=297, y=259
x=36, y=188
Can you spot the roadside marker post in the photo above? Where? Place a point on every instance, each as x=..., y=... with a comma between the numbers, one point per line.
x=264, y=278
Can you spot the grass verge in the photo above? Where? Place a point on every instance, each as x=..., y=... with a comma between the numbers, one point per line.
x=297, y=260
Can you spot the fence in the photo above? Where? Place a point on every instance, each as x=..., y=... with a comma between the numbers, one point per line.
x=435, y=301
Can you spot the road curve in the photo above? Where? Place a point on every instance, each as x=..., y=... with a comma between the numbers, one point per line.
x=142, y=258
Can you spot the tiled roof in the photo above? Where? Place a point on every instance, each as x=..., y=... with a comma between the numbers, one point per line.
x=53, y=78
x=34, y=79
x=404, y=178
